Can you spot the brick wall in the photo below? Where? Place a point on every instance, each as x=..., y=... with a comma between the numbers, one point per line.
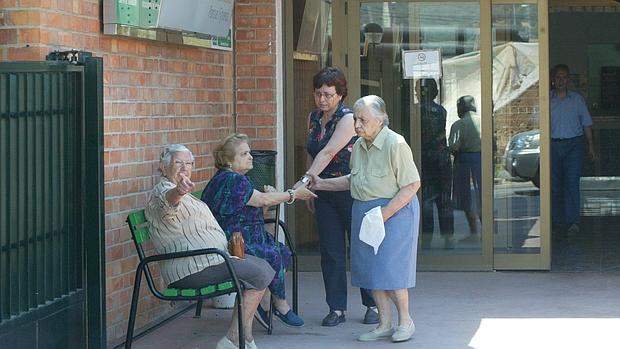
x=256, y=71
x=154, y=94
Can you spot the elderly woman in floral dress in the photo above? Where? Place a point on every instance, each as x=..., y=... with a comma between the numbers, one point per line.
x=238, y=207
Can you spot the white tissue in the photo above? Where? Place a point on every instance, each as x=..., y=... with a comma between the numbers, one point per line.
x=372, y=230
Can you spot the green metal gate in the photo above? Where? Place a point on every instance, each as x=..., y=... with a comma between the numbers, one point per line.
x=51, y=205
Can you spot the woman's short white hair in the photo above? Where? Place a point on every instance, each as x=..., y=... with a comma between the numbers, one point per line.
x=376, y=105
x=166, y=155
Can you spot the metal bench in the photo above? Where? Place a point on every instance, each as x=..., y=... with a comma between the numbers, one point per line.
x=138, y=226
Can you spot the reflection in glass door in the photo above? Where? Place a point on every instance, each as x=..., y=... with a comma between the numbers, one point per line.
x=311, y=32
x=446, y=141
x=517, y=137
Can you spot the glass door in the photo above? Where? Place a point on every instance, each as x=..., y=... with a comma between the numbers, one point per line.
x=520, y=184
x=469, y=221
x=424, y=111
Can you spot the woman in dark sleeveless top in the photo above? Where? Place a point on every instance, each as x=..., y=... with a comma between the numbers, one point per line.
x=330, y=141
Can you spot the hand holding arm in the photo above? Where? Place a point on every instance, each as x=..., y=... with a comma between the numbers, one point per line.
x=330, y=184
x=259, y=199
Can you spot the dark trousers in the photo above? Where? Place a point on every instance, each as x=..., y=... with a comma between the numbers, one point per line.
x=435, y=196
x=566, y=163
x=333, y=219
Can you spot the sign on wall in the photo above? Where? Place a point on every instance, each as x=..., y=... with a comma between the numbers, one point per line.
x=211, y=17
x=206, y=23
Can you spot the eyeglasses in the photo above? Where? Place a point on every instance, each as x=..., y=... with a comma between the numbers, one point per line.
x=181, y=163
x=328, y=96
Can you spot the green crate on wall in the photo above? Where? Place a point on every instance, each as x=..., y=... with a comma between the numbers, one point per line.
x=149, y=12
x=128, y=12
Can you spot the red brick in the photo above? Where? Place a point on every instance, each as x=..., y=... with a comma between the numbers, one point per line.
x=266, y=83
x=246, y=59
x=90, y=9
x=266, y=132
x=263, y=96
x=8, y=36
x=114, y=252
x=265, y=34
x=245, y=34
x=8, y=3
x=264, y=71
x=26, y=54
x=19, y=18
x=266, y=108
x=265, y=59
x=265, y=10
x=245, y=10
x=251, y=132
x=249, y=83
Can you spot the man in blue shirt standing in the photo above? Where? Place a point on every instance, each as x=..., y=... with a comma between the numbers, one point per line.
x=570, y=122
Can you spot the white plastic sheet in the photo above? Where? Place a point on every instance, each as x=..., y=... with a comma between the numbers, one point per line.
x=515, y=69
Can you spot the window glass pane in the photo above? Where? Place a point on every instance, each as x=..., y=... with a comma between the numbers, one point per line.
x=451, y=213
x=516, y=202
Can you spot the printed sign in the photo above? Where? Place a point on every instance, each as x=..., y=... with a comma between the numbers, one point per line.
x=421, y=64
x=212, y=17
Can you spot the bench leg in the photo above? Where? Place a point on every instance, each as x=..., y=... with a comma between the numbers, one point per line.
x=240, y=319
x=270, y=316
x=134, y=308
x=198, y=309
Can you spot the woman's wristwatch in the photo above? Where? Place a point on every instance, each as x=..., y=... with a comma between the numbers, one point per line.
x=305, y=179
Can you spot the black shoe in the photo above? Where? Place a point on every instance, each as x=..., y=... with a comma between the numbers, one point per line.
x=333, y=319
x=371, y=317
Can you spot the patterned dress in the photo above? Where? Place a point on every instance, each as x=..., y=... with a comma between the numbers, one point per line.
x=227, y=195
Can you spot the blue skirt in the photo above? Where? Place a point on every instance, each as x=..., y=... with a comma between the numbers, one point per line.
x=394, y=265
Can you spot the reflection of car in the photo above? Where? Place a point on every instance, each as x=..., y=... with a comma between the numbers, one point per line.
x=522, y=156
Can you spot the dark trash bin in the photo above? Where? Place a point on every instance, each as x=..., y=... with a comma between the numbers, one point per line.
x=264, y=171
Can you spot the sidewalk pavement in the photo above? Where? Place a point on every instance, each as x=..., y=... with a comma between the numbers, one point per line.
x=451, y=310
